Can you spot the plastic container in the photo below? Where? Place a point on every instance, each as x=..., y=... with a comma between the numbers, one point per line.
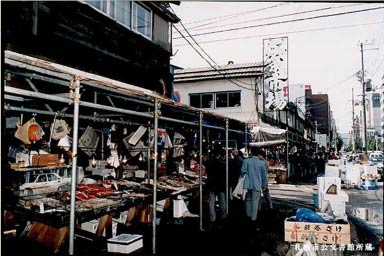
x=316, y=198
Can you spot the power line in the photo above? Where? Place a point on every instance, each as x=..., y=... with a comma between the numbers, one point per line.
x=235, y=14
x=210, y=63
x=286, y=21
x=213, y=22
x=278, y=16
x=292, y=32
x=201, y=48
x=378, y=67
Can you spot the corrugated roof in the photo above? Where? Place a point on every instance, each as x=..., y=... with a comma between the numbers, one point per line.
x=222, y=72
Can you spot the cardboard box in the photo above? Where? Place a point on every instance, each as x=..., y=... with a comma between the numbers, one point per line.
x=45, y=160
x=140, y=174
x=91, y=226
x=334, y=162
x=324, y=233
x=125, y=243
x=332, y=171
x=370, y=169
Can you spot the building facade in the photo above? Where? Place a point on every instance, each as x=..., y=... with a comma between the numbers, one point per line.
x=233, y=92
x=129, y=41
x=236, y=91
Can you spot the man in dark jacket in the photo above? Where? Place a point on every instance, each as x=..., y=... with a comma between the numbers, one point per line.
x=216, y=183
x=234, y=169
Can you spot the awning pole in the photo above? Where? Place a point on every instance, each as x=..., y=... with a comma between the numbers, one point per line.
x=201, y=169
x=226, y=165
x=75, y=84
x=156, y=119
x=246, y=138
x=149, y=152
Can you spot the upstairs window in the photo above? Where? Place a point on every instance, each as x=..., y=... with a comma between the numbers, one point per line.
x=201, y=100
x=215, y=100
x=227, y=99
x=131, y=14
x=123, y=12
x=142, y=20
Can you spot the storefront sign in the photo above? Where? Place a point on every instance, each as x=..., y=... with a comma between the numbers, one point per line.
x=275, y=59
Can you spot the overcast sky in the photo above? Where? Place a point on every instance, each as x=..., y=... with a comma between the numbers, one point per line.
x=326, y=57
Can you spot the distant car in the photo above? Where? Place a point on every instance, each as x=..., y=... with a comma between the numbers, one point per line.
x=377, y=159
x=45, y=183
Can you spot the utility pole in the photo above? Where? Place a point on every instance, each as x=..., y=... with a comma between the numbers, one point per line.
x=353, y=122
x=316, y=137
x=365, y=145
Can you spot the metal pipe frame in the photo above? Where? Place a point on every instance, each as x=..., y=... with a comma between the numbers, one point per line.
x=149, y=152
x=76, y=104
x=155, y=130
x=201, y=170
x=49, y=113
x=226, y=165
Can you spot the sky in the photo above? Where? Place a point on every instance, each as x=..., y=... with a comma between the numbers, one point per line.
x=322, y=52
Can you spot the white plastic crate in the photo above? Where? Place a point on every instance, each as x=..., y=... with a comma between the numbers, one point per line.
x=125, y=243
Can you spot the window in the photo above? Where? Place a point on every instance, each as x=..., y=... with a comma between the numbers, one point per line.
x=222, y=100
x=123, y=12
x=141, y=20
x=131, y=14
x=227, y=99
x=201, y=100
x=98, y=4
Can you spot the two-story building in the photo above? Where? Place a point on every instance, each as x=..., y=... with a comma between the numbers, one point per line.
x=236, y=91
x=129, y=41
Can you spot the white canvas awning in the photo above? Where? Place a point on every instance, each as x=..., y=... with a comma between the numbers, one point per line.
x=267, y=135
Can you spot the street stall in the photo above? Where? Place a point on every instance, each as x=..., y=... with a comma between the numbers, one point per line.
x=83, y=147
x=275, y=142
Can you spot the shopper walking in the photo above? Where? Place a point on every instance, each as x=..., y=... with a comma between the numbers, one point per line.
x=255, y=181
x=266, y=195
x=234, y=169
x=216, y=184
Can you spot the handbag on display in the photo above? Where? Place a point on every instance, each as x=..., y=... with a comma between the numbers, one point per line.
x=88, y=141
x=30, y=132
x=59, y=129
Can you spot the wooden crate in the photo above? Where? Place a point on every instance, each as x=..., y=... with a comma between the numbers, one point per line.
x=324, y=233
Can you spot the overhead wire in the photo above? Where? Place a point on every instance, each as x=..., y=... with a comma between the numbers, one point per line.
x=212, y=66
x=287, y=21
x=235, y=14
x=226, y=19
x=278, y=16
x=219, y=71
x=285, y=33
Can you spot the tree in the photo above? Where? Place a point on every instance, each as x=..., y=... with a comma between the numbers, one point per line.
x=371, y=143
x=339, y=142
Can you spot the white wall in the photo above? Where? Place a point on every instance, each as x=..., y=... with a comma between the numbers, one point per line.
x=245, y=113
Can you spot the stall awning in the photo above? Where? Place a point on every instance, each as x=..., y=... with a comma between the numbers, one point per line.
x=266, y=135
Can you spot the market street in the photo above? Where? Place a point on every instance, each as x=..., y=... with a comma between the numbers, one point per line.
x=192, y=128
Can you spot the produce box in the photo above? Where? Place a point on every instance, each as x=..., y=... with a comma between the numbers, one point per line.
x=45, y=160
x=125, y=243
x=324, y=233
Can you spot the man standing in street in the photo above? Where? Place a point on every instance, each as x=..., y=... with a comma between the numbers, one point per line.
x=267, y=196
x=216, y=184
x=255, y=181
x=234, y=169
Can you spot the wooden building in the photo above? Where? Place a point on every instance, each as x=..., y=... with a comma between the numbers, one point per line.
x=124, y=40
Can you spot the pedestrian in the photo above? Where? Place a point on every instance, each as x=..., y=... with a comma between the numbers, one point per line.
x=255, y=181
x=235, y=164
x=266, y=195
x=216, y=185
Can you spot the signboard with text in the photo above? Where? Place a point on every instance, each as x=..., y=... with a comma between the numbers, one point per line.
x=275, y=59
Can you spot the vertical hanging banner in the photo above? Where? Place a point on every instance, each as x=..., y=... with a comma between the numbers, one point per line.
x=275, y=60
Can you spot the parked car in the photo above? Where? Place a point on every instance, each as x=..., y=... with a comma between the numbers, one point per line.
x=45, y=183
